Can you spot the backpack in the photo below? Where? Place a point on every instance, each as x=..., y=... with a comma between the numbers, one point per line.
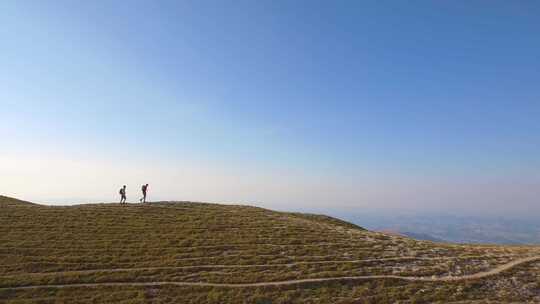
x=120, y=192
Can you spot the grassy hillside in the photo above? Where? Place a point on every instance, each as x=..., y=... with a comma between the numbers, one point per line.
x=187, y=252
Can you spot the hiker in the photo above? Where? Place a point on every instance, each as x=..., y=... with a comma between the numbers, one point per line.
x=122, y=193
x=144, y=188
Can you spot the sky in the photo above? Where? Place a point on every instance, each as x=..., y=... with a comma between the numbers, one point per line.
x=293, y=105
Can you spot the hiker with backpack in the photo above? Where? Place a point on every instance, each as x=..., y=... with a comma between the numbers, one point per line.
x=122, y=193
x=144, y=188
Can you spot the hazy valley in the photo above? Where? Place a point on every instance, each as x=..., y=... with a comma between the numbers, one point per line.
x=456, y=229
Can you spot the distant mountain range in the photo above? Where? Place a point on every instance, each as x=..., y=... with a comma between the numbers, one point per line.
x=455, y=229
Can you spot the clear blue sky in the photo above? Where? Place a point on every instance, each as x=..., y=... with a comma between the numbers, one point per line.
x=396, y=104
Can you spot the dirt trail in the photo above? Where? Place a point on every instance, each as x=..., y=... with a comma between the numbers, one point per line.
x=232, y=266
x=478, y=275
x=211, y=266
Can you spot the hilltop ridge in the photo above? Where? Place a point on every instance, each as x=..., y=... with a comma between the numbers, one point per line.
x=6, y=201
x=209, y=253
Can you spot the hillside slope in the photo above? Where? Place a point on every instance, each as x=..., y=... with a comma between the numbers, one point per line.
x=187, y=252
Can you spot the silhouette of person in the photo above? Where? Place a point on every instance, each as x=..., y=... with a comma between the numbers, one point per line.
x=122, y=195
x=144, y=188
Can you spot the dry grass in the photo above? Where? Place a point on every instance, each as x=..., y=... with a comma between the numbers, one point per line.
x=195, y=242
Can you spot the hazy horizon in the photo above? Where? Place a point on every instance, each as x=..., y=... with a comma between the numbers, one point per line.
x=290, y=105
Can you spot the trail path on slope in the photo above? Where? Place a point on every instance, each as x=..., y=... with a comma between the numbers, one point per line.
x=210, y=266
x=478, y=275
x=232, y=266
